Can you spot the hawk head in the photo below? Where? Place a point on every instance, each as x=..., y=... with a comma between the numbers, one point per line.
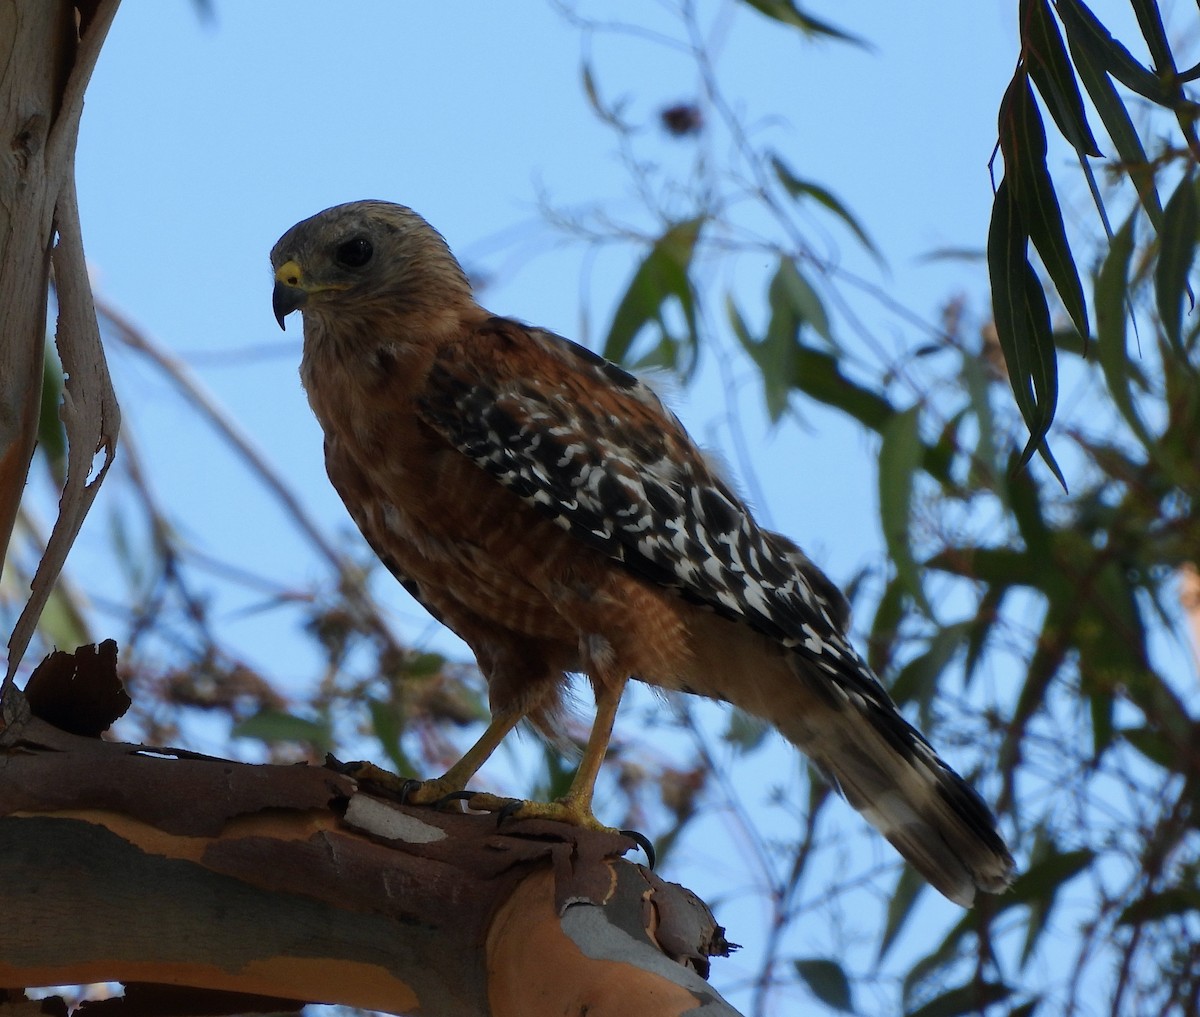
x=363, y=255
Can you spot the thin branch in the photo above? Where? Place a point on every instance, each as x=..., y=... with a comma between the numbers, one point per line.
x=186, y=382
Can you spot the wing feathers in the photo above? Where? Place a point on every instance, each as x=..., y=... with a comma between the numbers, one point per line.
x=611, y=465
x=594, y=449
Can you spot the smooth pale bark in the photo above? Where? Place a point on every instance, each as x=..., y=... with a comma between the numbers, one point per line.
x=47, y=52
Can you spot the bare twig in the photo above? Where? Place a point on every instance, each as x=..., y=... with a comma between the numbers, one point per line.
x=185, y=381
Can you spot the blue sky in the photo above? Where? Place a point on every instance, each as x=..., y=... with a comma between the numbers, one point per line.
x=201, y=143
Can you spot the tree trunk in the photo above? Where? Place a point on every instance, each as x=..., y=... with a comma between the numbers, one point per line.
x=47, y=52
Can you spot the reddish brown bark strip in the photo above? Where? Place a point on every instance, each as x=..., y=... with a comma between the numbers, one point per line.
x=288, y=881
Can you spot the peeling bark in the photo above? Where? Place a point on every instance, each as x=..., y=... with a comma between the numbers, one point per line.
x=152, y=865
x=47, y=52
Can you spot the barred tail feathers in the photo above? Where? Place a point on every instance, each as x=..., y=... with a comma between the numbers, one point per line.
x=849, y=727
x=890, y=774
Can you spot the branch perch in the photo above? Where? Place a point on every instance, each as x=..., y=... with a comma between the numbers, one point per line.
x=122, y=862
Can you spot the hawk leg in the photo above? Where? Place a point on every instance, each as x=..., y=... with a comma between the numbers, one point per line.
x=575, y=807
x=429, y=792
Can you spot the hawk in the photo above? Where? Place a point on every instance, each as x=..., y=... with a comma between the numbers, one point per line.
x=543, y=504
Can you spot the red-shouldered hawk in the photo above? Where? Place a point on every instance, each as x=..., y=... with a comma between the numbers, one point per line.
x=543, y=504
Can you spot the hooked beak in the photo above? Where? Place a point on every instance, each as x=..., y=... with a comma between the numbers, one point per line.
x=290, y=292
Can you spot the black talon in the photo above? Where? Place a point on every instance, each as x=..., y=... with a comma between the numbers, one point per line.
x=373, y=778
x=453, y=796
x=643, y=842
x=508, y=811
x=407, y=788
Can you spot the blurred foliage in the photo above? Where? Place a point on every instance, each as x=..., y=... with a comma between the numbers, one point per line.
x=1027, y=208
x=1095, y=749
x=1035, y=624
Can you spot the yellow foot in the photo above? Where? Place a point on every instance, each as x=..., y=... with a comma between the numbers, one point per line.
x=448, y=790
x=565, y=810
x=432, y=792
x=377, y=777
x=408, y=790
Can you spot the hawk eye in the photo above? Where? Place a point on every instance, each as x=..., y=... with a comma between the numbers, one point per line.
x=354, y=253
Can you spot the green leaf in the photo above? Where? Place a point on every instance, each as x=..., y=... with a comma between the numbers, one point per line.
x=786, y=12
x=744, y=732
x=51, y=434
x=1022, y=325
x=918, y=679
x=1149, y=741
x=1048, y=874
x=775, y=353
x=610, y=115
x=818, y=374
x=799, y=188
x=424, y=665
x=980, y=628
x=1102, y=709
x=1045, y=371
x=900, y=906
x=985, y=463
x=971, y=255
x=1153, y=31
x=885, y=627
x=1176, y=251
x=1024, y=499
x=939, y=458
x=1112, y=300
x=662, y=275
x=1049, y=655
x=63, y=621
x=1153, y=907
x=1112, y=112
x=1038, y=886
x=276, y=726
x=900, y=456
x=1043, y=50
x=827, y=981
x=1067, y=340
x=1007, y=244
x=1162, y=85
x=1023, y=141
x=998, y=566
x=937, y=965
x=971, y=998
x=1150, y=22
x=793, y=304
x=1161, y=705
x=387, y=723
x=740, y=328
x=798, y=291
x=1086, y=32
x=1111, y=636
x=557, y=777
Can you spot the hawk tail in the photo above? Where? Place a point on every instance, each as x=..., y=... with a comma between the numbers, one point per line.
x=891, y=774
